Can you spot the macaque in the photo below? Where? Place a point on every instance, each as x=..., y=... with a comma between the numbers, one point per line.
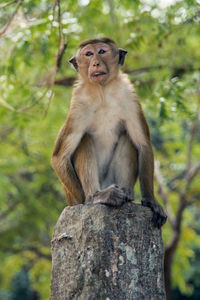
x=104, y=145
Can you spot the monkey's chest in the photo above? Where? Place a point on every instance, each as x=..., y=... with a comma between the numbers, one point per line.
x=105, y=131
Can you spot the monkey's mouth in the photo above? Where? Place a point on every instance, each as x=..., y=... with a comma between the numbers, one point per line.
x=96, y=74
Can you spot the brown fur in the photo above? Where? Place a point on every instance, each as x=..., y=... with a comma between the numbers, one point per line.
x=105, y=40
x=105, y=141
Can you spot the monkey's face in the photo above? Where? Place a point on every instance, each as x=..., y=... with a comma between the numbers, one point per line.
x=98, y=63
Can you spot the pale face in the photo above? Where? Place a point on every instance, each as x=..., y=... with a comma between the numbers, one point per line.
x=96, y=61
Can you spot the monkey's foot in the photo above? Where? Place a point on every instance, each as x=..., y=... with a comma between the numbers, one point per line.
x=112, y=196
x=129, y=194
x=159, y=217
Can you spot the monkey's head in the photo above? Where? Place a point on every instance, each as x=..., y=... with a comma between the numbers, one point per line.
x=98, y=60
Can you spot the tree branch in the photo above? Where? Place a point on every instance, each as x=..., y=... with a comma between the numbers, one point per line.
x=27, y=107
x=162, y=192
x=67, y=81
x=143, y=69
x=61, y=50
x=62, y=43
x=193, y=131
x=191, y=173
x=7, y=105
x=4, y=29
x=7, y=4
x=172, y=244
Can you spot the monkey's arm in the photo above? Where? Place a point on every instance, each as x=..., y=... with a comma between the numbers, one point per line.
x=140, y=137
x=66, y=143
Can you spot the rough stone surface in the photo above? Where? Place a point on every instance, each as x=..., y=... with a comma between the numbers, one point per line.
x=99, y=252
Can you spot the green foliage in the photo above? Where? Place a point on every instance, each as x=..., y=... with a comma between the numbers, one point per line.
x=163, y=63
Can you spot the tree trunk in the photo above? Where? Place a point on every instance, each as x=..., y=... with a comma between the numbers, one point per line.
x=99, y=252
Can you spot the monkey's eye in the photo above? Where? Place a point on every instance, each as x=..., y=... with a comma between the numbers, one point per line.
x=102, y=51
x=88, y=53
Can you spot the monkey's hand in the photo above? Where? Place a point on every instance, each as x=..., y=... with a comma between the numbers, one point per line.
x=112, y=196
x=159, y=217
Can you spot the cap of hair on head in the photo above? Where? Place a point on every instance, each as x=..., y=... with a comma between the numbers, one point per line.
x=96, y=40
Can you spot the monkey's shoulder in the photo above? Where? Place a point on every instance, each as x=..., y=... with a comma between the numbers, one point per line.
x=126, y=87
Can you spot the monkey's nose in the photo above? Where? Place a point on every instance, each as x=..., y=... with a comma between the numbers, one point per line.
x=96, y=64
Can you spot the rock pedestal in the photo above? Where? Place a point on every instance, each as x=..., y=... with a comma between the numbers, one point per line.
x=99, y=252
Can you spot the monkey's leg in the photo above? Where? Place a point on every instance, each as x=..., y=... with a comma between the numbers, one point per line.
x=124, y=166
x=120, y=176
x=71, y=200
x=85, y=164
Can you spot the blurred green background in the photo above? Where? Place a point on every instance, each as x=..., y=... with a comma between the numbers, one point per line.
x=37, y=37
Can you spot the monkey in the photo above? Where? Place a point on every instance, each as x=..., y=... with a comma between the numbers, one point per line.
x=104, y=145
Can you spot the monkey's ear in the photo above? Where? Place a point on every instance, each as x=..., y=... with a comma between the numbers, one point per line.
x=122, y=54
x=74, y=63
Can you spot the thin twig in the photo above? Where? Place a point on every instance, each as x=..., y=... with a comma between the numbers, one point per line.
x=7, y=4
x=61, y=50
x=4, y=29
x=62, y=43
x=54, y=9
x=60, y=53
x=5, y=104
x=59, y=20
x=48, y=104
x=25, y=108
